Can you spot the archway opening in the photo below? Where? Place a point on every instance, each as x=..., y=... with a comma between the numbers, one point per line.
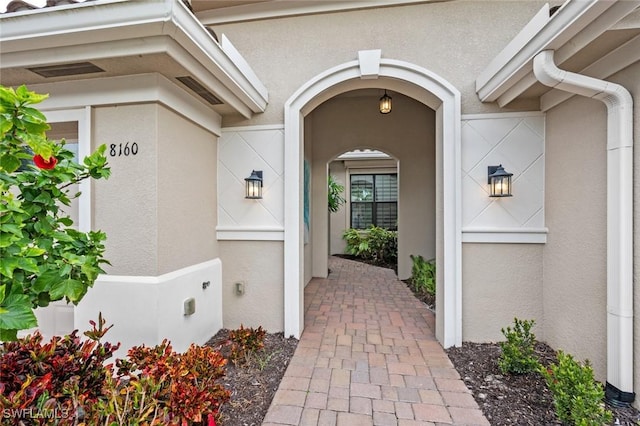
x=388, y=173
x=370, y=71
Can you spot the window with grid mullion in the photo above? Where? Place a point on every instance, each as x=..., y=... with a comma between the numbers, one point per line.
x=374, y=201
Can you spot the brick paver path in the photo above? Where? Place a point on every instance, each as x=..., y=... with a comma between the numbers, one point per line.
x=368, y=356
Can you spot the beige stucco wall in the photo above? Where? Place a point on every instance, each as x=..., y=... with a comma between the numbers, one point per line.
x=408, y=134
x=187, y=192
x=126, y=205
x=575, y=254
x=258, y=265
x=158, y=208
x=448, y=38
x=500, y=282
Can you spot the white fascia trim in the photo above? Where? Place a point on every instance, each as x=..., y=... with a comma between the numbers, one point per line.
x=127, y=90
x=105, y=22
x=505, y=235
x=569, y=30
x=148, y=279
x=281, y=9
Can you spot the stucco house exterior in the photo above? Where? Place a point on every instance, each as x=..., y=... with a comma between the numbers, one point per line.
x=210, y=91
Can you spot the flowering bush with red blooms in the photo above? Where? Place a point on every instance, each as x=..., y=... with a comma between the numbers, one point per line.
x=47, y=164
x=43, y=257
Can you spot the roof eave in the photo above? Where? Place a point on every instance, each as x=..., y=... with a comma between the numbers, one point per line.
x=570, y=29
x=123, y=26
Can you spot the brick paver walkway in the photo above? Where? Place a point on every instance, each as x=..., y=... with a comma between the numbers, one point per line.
x=368, y=356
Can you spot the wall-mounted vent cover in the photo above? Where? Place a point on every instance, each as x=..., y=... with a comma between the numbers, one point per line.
x=66, y=69
x=199, y=89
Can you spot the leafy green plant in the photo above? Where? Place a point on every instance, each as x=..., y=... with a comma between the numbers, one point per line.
x=577, y=396
x=383, y=245
x=378, y=245
x=518, y=355
x=43, y=258
x=423, y=275
x=335, y=195
x=357, y=242
x=245, y=342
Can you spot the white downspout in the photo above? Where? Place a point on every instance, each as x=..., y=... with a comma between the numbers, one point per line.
x=619, y=387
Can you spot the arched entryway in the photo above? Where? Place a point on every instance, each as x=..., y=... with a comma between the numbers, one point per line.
x=372, y=71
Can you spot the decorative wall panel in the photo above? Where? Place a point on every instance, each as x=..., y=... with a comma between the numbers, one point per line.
x=515, y=140
x=241, y=150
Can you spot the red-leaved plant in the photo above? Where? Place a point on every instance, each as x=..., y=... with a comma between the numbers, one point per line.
x=66, y=382
x=188, y=382
x=245, y=342
x=62, y=375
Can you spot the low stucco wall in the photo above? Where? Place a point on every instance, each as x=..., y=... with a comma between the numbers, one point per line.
x=259, y=266
x=500, y=282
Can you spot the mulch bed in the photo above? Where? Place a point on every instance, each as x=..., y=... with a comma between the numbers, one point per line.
x=512, y=399
x=254, y=384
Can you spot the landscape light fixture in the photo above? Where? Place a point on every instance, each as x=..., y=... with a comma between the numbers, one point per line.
x=385, y=103
x=499, y=181
x=254, y=185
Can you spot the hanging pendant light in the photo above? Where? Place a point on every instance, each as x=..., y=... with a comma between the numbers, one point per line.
x=385, y=103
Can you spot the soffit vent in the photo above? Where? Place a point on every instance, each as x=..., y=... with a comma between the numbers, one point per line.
x=66, y=69
x=199, y=89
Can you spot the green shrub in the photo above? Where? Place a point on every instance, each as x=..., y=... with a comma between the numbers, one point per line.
x=423, y=275
x=517, y=352
x=357, y=242
x=577, y=397
x=378, y=245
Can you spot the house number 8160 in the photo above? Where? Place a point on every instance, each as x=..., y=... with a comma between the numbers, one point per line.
x=120, y=149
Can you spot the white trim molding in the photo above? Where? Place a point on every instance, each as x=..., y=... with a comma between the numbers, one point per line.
x=246, y=233
x=433, y=91
x=505, y=235
x=279, y=9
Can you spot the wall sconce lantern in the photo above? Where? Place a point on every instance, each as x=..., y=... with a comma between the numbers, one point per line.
x=254, y=185
x=499, y=182
x=385, y=103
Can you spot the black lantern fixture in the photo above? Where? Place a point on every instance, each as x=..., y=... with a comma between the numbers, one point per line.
x=499, y=182
x=385, y=103
x=254, y=185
